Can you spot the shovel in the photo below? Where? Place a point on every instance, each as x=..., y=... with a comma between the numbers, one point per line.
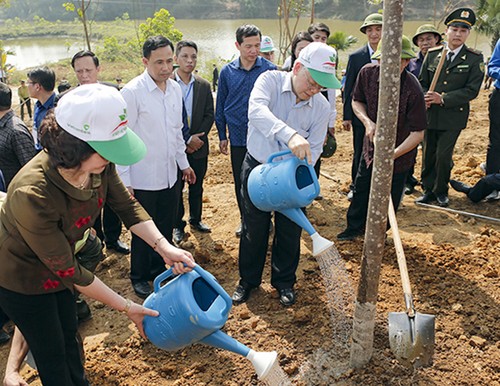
x=411, y=334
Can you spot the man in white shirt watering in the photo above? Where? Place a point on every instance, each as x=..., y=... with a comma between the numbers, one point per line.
x=154, y=103
x=285, y=112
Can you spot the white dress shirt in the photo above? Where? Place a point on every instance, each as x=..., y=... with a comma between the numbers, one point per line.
x=156, y=117
x=274, y=116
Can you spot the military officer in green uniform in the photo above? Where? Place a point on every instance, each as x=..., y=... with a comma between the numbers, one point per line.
x=448, y=104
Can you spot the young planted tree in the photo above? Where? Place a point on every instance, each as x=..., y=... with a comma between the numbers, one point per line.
x=385, y=138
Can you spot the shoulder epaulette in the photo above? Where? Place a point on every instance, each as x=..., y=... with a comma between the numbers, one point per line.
x=474, y=51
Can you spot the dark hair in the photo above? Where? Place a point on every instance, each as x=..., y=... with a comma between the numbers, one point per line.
x=301, y=36
x=185, y=43
x=155, y=42
x=5, y=97
x=64, y=149
x=319, y=27
x=44, y=76
x=246, y=31
x=83, y=54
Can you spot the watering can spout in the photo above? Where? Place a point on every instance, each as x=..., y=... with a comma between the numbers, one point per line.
x=221, y=340
x=320, y=244
x=299, y=218
x=261, y=361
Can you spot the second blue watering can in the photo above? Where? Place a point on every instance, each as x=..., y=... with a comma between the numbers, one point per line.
x=193, y=308
x=282, y=184
x=286, y=186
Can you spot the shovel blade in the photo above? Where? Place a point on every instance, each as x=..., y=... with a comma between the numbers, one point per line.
x=412, y=338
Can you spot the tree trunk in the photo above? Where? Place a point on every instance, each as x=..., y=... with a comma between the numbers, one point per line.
x=84, y=21
x=385, y=138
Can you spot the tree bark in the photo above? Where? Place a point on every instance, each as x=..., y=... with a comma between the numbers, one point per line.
x=385, y=138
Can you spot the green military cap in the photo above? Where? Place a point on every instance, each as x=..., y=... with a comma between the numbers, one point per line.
x=373, y=19
x=329, y=147
x=406, y=50
x=461, y=17
x=425, y=29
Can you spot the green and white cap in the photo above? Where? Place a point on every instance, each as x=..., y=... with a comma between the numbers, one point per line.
x=97, y=114
x=321, y=61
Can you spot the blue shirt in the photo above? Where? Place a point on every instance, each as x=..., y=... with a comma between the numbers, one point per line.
x=494, y=65
x=40, y=113
x=231, y=109
x=416, y=64
x=275, y=116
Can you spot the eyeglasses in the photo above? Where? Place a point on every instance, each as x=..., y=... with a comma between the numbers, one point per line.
x=313, y=86
x=30, y=82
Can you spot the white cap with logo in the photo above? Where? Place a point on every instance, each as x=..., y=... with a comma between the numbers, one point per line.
x=321, y=61
x=97, y=114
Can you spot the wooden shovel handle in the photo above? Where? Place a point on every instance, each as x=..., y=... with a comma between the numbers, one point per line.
x=438, y=70
x=398, y=245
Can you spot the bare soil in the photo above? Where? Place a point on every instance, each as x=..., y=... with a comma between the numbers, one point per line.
x=453, y=263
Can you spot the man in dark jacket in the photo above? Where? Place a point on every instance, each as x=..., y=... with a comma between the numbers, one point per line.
x=372, y=27
x=199, y=106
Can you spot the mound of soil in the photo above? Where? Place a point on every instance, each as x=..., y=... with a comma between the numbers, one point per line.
x=453, y=265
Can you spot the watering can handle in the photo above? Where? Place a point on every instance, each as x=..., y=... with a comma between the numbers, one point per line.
x=206, y=276
x=278, y=154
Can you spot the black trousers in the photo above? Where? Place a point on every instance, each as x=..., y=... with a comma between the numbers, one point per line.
x=437, y=159
x=161, y=205
x=484, y=187
x=358, y=208
x=195, y=197
x=255, y=240
x=49, y=326
x=110, y=227
x=493, y=154
x=358, y=134
x=237, y=156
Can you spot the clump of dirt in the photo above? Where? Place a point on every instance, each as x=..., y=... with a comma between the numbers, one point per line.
x=453, y=265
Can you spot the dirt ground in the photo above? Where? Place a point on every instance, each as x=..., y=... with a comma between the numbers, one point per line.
x=453, y=264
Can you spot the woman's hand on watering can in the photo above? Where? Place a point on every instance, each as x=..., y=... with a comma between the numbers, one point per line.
x=300, y=147
x=181, y=261
x=136, y=314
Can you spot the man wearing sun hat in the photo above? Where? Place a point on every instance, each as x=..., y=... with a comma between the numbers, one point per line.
x=410, y=132
x=372, y=28
x=285, y=112
x=448, y=106
x=267, y=48
x=425, y=38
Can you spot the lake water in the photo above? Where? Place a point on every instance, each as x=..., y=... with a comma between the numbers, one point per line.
x=215, y=39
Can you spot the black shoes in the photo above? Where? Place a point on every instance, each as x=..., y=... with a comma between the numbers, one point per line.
x=178, y=235
x=242, y=293
x=460, y=186
x=350, y=234
x=118, y=246
x=83, y=312
x=201, y=227
x=4, y=336
x=427, y=198
x=443, y=200
x=142, y=289
x=319, y=197
x=287, y=297
x=238, y=231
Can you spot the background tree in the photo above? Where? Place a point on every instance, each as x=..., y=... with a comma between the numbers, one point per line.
x=81, y=8
x=488, y=22
x=289, y=13
x=162, y=23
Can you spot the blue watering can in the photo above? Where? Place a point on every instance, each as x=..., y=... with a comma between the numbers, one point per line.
x=193, y=308
x=286, y=186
